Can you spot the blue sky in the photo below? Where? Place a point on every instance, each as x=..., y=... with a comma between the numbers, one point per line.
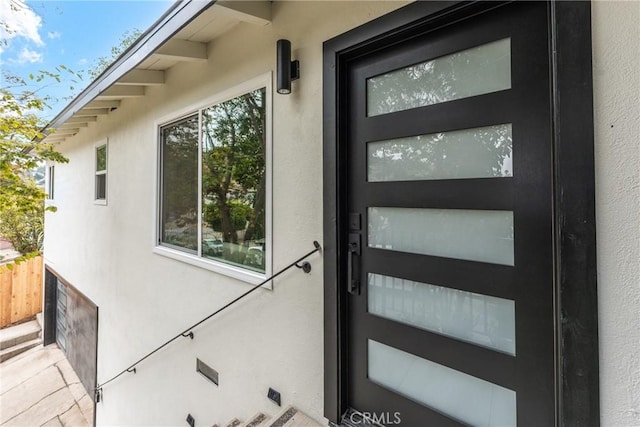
x=73, y=33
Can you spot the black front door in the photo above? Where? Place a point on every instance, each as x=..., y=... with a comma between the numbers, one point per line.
x=448, y=259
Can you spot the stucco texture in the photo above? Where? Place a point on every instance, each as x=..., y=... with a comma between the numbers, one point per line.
x=272, y=339
x=616, y=81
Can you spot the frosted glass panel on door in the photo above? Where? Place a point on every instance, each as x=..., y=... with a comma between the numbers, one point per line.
x=475, y=235
x=470, y=153
x=458, y=395
x=476, y=71
x=475, y=318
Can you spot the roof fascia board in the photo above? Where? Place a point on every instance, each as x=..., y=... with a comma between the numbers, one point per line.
x=179, y=15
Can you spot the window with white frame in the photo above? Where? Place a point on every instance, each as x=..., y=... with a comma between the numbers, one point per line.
x=101, y=173
x=213, y=183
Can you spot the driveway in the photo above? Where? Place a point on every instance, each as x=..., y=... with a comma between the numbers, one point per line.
x=39, y=388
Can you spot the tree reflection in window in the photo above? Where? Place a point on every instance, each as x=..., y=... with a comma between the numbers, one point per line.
x=179, y=212
x=234, y=181
x=476, y=71
x=484, y=152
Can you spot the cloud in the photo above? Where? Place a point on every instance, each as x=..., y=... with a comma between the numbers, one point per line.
x=53, y=35
x=28, y=56
x=19, y=20
x=83, y=61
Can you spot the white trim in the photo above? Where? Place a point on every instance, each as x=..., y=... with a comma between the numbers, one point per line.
x=246, y=275
x=155, y=242
x=268, y=160
x=239, y=273
x=200, y=137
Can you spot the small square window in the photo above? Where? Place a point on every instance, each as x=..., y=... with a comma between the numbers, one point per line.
x=101, y=174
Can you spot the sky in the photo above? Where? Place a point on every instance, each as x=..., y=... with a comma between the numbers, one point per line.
x=45, y=34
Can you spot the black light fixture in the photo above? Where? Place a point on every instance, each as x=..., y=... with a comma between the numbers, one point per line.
x=287, y=70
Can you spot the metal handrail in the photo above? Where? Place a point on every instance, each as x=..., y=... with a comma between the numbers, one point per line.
x=306, y=267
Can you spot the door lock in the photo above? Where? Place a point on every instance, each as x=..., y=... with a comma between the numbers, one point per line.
x=353, y=264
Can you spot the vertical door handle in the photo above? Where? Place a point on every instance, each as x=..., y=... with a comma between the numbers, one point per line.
x=353, y=265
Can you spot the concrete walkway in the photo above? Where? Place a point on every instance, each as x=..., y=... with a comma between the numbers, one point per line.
x=39, y=388
x=8, y=255
x=17, y=339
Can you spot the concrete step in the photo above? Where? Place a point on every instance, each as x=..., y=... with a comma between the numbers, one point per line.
x=258, y=419
x=25, y=354
x=292, y=417
x=10, y=352
x=18, y=334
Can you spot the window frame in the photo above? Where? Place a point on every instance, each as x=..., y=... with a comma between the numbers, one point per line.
x=197, y=260
x=100, y=201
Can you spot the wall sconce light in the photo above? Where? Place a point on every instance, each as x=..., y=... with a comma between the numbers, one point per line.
x=287, y=70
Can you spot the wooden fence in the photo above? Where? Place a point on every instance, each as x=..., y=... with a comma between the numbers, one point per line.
x=20, y=291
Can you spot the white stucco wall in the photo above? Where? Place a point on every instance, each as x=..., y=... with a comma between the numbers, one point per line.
x=274, y=338
x=616, y=84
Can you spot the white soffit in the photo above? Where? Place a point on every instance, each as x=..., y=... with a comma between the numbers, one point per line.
x=145, y=62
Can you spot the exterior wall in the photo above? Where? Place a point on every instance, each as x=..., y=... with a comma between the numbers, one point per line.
x=274, y=338
x=616, y=84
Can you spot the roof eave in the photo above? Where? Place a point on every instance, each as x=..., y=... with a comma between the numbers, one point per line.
x=172, y=21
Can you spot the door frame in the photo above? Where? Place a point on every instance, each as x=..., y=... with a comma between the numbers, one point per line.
x=574, y=239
